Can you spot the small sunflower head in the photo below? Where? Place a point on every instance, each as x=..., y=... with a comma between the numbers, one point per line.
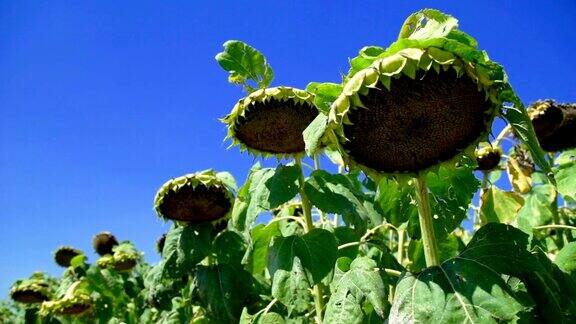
x=195, y=198
x=554, y=124
x=125, y=258
x=34, y=290
x=271, y=121
x=104, y=242
x=64, y=255
x=488, y=157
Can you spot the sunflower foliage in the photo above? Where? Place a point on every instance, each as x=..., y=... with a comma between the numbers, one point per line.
x=478, y=232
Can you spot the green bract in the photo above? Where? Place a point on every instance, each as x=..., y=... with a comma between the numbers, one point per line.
x=195, y=198
x=270, y=122
x=34, y=290
x=426, y=99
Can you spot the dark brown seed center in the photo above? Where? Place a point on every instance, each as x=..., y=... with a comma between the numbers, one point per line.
x=418, y=123
x=196, y=205
x=275, y=126
x=28, y=296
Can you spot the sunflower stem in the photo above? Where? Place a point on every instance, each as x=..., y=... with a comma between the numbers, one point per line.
x=426, y=226
x=307, y=210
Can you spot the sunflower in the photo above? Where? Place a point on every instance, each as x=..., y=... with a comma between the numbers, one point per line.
x=488, y=157
x=554, y=124
x=34, y=290
x=75, y=302
x=124, y=258
x=195, y=198
x=64, y=255
x=271, y=121
x=103, y=243
x=423, y=101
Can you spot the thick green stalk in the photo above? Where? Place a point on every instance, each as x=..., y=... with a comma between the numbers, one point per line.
x=426, y=226
x=400, y=255
x=307, y=210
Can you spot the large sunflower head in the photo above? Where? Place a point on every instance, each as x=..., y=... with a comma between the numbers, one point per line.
x=426, y=99
x=64, y=255
x=34, y=290
x=554, y=124
x=195, y=198
x=271, y=121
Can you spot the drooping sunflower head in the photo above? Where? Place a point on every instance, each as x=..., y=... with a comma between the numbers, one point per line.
x=64, y=254
x=195, y=198
x=271, y=121
x=76, y=301
x=124, y=258
x=488, y=157
x=425, y=100
x=554, y=124
x=34, y=290
x=104, y=242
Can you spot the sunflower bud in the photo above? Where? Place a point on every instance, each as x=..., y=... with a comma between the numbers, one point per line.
x=488, y=157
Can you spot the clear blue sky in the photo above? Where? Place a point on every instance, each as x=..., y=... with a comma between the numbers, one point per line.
x=103, y=101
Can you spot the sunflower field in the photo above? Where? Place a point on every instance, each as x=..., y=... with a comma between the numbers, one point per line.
x=420, y=214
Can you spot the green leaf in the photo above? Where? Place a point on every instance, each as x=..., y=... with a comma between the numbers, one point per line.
x=565, y=157
x=313, y=134
x=537, y=209
x=518, y=119
x=269, y=188
x=459, y=291
x=469, y=287
x=261, y=237
x=347, y=235
x=395, y=201
x=566, y=259
x=245, y=63
x=335, y=193
x=228, y=179
x=317, y=250
x=292, y=288
x=363, y=282
x=229, y=248
x=500, y=206
x=185, y=246
x=447, y=249
x=566, y=179
x=324, y=94
x=223, y=291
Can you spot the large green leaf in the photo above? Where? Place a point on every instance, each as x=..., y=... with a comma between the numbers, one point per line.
x=469, y=287
x=500, y=206
x=396, y=201
x=363, y=282
x=324, y=94
x=229, y=247
x=460, y=291
x=291, y=288
x=537, y=209
x=317, y=250
x=185, y=246
x=245, y=63
x=566, y=180
x=261, y=237
x=223, y=291
x=566, y=259
x=265, y=189
x=335, y=193
x=447, y=249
